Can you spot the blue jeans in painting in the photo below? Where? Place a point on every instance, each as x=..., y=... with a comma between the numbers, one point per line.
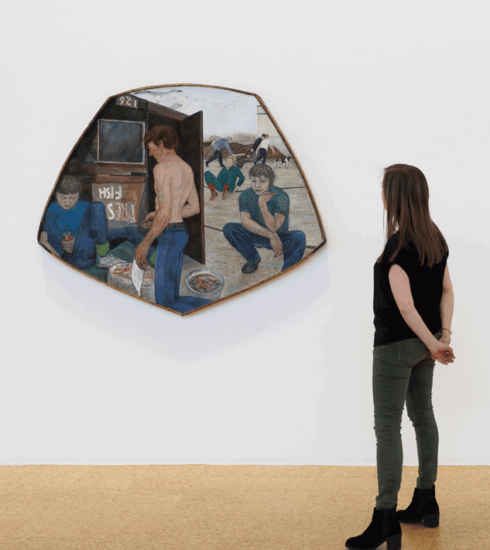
x=168, y=270
x=216, y=155
x=293, y=242
x=93, y=231
x=262, y=156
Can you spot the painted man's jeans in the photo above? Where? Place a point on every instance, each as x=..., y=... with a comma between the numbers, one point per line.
x=262, y=156
x=293, y=242
x=403, y=371
x=216, y=155
x=168, y=270
x=93, y=231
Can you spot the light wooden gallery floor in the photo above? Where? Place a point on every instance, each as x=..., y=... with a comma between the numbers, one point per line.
x=224, y=507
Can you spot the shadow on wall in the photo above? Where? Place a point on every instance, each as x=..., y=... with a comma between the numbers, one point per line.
x=252, y=315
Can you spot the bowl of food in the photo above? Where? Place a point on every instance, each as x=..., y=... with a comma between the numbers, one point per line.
x=120, y=277
x=205, y=283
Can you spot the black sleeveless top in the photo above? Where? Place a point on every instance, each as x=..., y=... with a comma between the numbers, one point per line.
x=426, y=287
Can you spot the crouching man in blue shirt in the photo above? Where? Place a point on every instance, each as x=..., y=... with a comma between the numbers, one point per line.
x=76, y=230
x=264, y=213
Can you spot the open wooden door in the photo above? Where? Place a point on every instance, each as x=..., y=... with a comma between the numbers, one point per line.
x=191, y=130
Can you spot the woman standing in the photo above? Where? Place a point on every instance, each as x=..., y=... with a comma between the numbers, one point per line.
x=413, y=308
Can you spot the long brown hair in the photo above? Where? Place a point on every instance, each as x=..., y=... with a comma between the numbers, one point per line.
x=406, y=197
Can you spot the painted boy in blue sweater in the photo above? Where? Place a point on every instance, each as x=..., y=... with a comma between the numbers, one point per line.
x=76, y=230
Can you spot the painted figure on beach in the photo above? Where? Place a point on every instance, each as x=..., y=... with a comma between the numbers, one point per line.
x=140, y=189
x=264, y=214
x=262, y=149
x=218, y=145
x=253, y=154
x=229, y=177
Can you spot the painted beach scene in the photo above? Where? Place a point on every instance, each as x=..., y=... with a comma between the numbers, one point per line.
x=182, y=196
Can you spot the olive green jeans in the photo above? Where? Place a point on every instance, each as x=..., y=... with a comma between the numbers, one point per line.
x=403, y=371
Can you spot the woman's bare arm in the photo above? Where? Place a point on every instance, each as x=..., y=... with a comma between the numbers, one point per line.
x=447, y=305
x=400, y=286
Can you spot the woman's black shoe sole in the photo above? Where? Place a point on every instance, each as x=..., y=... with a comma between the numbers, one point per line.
x=432, y=520
x=392, y=543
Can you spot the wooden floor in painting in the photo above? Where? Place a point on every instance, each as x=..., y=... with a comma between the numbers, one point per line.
x=224, y=507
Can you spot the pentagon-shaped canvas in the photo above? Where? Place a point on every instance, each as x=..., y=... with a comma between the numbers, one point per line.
x=183, y=196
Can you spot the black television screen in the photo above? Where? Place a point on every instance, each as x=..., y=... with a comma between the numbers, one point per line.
x=121, y=141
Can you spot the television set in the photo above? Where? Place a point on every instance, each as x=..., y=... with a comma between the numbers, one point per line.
x=120, y=141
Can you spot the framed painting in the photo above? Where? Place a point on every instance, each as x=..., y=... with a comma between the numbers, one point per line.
x=182, y=196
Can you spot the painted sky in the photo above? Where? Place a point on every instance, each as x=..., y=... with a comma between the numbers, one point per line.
x=224, y=112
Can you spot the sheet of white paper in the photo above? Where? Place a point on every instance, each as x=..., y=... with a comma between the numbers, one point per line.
x=137, y=275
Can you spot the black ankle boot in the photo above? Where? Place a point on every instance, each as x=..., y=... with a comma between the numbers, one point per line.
x=423, y=507
x=383, y=527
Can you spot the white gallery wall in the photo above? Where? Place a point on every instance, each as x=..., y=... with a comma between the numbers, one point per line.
x=280, y=375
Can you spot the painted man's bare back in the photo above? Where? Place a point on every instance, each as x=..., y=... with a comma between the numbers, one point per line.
x=177, y=175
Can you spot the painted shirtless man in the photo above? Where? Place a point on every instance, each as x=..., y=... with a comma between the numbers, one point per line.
x=176, y=199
